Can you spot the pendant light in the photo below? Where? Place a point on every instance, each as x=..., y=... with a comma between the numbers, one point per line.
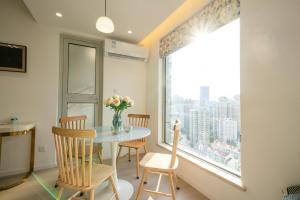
x=105, y=24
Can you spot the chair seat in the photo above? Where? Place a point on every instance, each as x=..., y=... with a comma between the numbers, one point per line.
x=100, y=173
x=133, y=144
x=158, y=161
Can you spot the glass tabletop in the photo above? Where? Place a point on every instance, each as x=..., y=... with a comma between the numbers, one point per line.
x=104, y=134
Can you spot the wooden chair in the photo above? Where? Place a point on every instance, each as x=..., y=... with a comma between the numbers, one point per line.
x=162, y=164
x=82, y=176
x=78, y=122
x=136, y=120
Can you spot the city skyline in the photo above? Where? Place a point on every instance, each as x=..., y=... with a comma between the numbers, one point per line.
x=210, y=128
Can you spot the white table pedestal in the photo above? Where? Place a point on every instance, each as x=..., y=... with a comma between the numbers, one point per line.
x=104, y=134
x=124, y=187
x=104, y=192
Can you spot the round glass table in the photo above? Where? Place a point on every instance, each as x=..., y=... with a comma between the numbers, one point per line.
x=105, y=135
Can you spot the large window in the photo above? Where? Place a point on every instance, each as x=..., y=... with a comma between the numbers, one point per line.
x=203, y=90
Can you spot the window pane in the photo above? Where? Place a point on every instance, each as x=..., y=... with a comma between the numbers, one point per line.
x=87, y=109
x=82, y=66
x=203, y=91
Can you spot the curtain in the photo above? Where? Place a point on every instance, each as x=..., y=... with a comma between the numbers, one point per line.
x=216, y=14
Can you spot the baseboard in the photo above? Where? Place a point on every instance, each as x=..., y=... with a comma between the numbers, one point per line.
x=11, y=172
x=42, y=167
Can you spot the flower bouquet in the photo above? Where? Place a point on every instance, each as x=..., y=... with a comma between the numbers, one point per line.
x=118, y=104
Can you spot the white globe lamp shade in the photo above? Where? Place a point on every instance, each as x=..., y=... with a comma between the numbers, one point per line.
x=105, y=25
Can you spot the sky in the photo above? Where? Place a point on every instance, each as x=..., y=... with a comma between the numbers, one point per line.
x=212, y=60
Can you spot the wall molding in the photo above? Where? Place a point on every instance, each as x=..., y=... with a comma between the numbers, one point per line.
x=10, y=172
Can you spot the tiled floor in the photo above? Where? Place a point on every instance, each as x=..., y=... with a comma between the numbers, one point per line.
x=40, y=186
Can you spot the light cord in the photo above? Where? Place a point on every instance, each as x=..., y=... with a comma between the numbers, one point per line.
x=105, y=8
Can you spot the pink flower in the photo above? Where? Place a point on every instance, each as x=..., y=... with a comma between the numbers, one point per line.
x=116, y=102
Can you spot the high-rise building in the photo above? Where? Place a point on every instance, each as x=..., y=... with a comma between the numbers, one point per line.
x=194, y=127
x=188, y=105
x=225, y=118
x=203, y=124
x=199, y=127
x=230, y=130
x=219, y=109
x=218, y=112
x=204, y=95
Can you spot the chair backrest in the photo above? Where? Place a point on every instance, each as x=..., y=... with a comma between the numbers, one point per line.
x=73, y=122
x=176, y=129
x=71, y=171
x=139, y=120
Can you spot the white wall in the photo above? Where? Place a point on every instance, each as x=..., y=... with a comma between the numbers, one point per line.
x=31, y=96
x=126, y=78
x=34, y=95
x=270, y=106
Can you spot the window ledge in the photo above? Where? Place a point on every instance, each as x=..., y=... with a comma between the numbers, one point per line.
x=229, y=178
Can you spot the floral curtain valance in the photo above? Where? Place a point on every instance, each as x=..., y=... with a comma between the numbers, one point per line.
x=216, y=14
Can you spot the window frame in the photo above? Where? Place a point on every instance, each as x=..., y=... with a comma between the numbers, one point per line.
x=189, y=154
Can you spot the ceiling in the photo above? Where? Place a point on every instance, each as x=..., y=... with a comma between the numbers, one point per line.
x=140, y=16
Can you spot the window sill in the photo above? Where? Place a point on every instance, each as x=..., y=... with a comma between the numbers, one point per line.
x=229, y=178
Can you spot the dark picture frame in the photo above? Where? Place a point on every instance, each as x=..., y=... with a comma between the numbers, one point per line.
x=13, y=57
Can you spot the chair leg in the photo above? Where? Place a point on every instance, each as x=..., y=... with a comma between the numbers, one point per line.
x=101, y=154
x=56, y=185
x=140, y=189
x=114, y=188
x=129, y=154
x=170, y=175
x=146, y=178
x=176, y=181
x=100, y=157
x=92, y=194
x=145, y=149
x=58, y=196
x=137, y=163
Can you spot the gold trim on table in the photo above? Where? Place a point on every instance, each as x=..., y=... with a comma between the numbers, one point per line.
x=18, y=129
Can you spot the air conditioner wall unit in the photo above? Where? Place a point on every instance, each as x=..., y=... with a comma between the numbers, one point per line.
x=125, y=50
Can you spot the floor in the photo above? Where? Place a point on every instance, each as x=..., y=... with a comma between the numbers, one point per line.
x=40, y=186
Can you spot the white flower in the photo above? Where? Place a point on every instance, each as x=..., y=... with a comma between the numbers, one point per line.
x=106, y=102
x=126, y=99
x=131, y=102
x=116, y=96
